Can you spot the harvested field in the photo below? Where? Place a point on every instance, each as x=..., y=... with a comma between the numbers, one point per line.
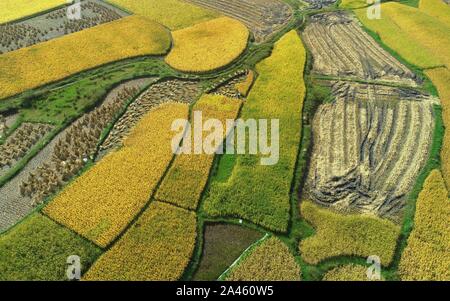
x=427, y=255
x=19, y=143
x=263, y=17
x=56, y=59
x=6, y=122
x=318, y=4
x=271, y=260
x=182, y=14
x=243, y=87
x=157, y=247
x=11, y=10
x=370, y=144
x=223, y=244
x=346, y=235
x=38, y=248
x=340, y=47
x=188, y=175
x=55, y=24
x=78, y=146
x=256, y=192
x=184, y=91
x=13, y=205
x=102, y=201
x=208, y=46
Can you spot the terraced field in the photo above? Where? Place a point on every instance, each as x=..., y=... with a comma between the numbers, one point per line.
x=341, y=48
x=262, y=17
x=370, y=144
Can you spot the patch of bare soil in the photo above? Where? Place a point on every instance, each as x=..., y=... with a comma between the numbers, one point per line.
x=263, y=17
x=341, y=48
x=370, y=145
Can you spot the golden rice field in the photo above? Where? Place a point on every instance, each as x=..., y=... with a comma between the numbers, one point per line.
x=43, y=63
x=346, y=235
x=427, y=255
x=208, y=46
x=182, y=14
x=245, y=86
x=189, y=173
x=16, y=9
x=271, y=260
x=349, y=272
x=441, y=79
x=437, y=9
x=157, y=247
x=101, y=202
x=417, y=37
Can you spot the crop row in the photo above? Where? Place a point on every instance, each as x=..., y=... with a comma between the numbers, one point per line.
x=102, y=201
x=256, y=192
x=208, y=46
x=53, y=60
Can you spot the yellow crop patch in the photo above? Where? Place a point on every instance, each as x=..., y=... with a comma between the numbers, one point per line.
x=350, y=272
x=157, y=247
x=346, y=235
x=175, y=14
x=16, y=9
x=189, y=173
x=50, y=61
x=427, y=255
x=437, y=9
x=441, y=79
x=102, y=201
x=269, y=261
x=208, y=46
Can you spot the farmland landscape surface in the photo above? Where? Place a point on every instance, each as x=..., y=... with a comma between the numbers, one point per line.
x=238, y=140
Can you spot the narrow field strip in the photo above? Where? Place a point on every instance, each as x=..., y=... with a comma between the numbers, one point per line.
x=346, y=235
x=269, y=261
x=208, y=46
x=441, y=79
x=43, y=63
x=175, y=14
x=260, y=193
x=188, y=175
x=157, y=247
x=16, y=9
x=38, y=249
x=349, y=272
x=427, y=255
x=102, y=201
